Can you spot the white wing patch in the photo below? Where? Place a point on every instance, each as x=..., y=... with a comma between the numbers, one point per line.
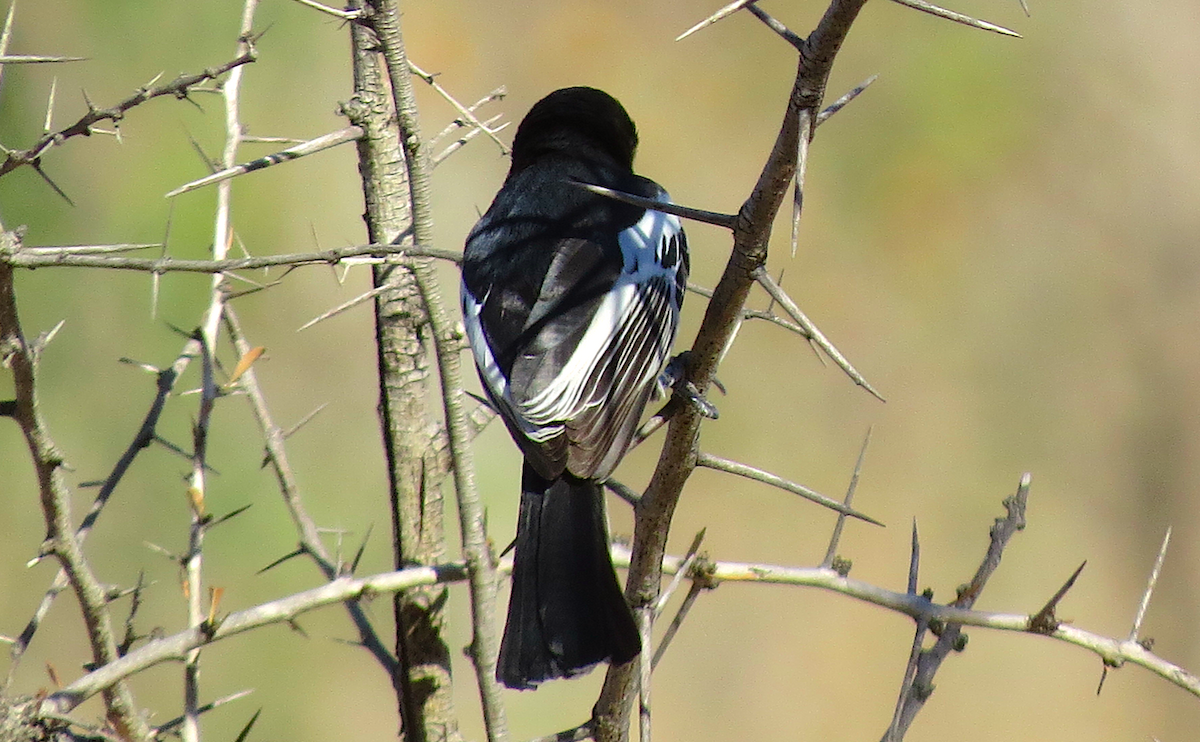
x=493, y=377
x=639, y=312
x=628, y=311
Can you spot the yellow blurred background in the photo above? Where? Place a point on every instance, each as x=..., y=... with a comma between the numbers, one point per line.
x=1000, y=234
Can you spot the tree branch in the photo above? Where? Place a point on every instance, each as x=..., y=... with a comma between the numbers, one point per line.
x=480, y=563
x=751, y=233
x=21, y=357
x=179, y=88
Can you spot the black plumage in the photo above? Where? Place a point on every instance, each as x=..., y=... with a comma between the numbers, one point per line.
x=571, y=302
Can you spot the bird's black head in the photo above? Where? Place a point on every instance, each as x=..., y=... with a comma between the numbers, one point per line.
x=583, y=122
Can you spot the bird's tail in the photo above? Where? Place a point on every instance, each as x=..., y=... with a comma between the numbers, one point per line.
x=566, y=612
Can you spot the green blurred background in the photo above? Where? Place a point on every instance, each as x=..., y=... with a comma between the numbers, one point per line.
x=1000, y=234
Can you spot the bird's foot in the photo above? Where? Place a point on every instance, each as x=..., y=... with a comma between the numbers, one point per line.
x=674, y=377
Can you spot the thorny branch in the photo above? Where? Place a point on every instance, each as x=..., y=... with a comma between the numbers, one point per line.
x=180, y=87
x=751, y=229
x=751, y=233
x=708, y=574
x=165, y=383
x=385, y=20
x=18, y=257
x=276, y=456
x=21, y=357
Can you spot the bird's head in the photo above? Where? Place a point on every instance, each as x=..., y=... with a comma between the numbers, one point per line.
x=579, y=121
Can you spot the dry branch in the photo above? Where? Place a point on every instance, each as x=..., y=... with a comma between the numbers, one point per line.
x=19, y=257
x=21, y=357
x=751, y=233
x=180, y=87
x=705, y=573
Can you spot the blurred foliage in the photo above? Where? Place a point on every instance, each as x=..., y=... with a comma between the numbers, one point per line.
x=1000, y=233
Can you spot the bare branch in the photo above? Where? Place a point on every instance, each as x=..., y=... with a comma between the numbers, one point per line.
x=778, y=294
x=312, y=146
x=343, y=588
x=16, y=353
x=699, y=215
x=466, y=113
x=950, y=15
x=457, y=124
x=831, y=552
x=467, y=136
x=710, y=461
x=276, y=456
x=179, y=88
x=950, y=637
x=1135, y=632
x=286, y=609
x=166, y=379
x=724, y=12
x=751, y=234
x=22, y=258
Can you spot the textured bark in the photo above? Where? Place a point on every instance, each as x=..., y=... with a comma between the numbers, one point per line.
x=751, y=234
x=411, y=440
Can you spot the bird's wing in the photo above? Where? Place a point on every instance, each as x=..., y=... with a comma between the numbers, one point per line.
x=591, y=365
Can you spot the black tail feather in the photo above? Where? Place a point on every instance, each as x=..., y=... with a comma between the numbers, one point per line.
x=566, y=612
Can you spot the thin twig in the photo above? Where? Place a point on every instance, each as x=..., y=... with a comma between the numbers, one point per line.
x=306, y=529
x=21, y=258
x=950, y=637
x=467, y=136
x=724, y=12
x=756, y=313
x=710, y=461
x=831, y=552
x=951, y=15
x=751, y=236
x=688, y=560
x=457, y=124
x=20, y=357
x=708, y=217
x=1136, y=631
x=345, y=15
x=312, y=146
x=178, y=88
x=466, y=113
x=345, y=588
x=207, y=335
x=778, y=294
x=165, y=382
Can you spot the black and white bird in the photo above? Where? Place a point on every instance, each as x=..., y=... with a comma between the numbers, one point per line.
x=571, y=304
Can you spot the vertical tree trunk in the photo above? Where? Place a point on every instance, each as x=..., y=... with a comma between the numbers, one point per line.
x=411, y=440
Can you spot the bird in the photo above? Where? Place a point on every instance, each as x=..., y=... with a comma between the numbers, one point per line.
x=571, y=305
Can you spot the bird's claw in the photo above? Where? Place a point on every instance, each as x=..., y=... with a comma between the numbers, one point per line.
x=674, y=377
